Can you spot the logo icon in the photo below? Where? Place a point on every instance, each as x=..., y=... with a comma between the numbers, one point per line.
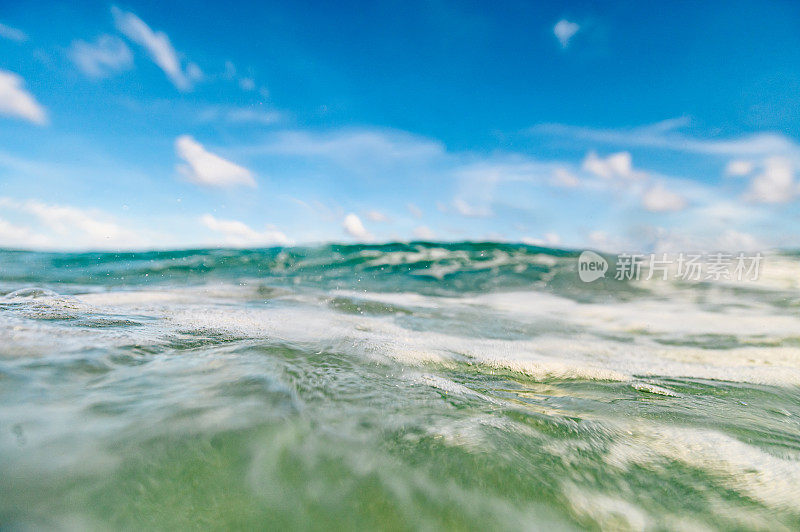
x=591, y=266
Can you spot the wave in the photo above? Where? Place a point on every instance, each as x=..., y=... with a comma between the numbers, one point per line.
x=384, y=383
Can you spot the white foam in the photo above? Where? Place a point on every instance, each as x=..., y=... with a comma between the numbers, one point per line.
x=754, y=473
x=613, y=341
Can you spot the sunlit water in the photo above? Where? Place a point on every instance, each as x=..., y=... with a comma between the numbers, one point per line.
x=413, y=386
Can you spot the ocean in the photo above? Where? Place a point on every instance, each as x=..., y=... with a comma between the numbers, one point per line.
x=416, y=386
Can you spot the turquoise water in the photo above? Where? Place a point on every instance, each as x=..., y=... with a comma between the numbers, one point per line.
x=402, y=386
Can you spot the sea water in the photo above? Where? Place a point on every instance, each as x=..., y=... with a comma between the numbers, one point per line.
x=398, y=386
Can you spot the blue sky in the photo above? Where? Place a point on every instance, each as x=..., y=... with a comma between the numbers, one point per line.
x=622, y=126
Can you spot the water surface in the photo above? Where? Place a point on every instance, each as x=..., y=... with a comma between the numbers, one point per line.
x=401, y=386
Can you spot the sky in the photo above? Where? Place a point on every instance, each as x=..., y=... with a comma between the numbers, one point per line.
x=617, y=126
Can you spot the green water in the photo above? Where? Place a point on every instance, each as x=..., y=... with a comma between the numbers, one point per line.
x=399, y=387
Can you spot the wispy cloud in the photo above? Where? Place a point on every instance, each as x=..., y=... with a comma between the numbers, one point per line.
x=549, y=239
x=377, y=216
x=469, y=210
x=667, y=135
x=20, y=236
x=241, y=115
x=658, y=198
x=106, y=56
x=18, y=102
x=63, y=226
x=158, y=47
x=230, y=71
x=353, y=146
x=238, y=234
x=205, y=168
x=480, y=181
x=247, y=84
x=12, y=34
x=564, y=31
x=415, y=211
x=564, y=178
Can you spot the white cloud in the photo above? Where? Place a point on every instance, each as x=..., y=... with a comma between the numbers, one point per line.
x=159, y=48
x=739, y=168
x=726, y=212
x=377, y=216
x=256, y=116
x=230, y=71
x=739, y=241
x=12, y=34
x=674, y=240
x=193, y=72
x=549, y=240
x=247, y=84
x=240, y=115
x=552, y=238
x=658, y=199
x=206, y=168
x=18, y=102
x=62, y=226
x=236, y=233
x=616, y=165
x=415, y=211
x=102, y=58
x=564, y=178
x=751, y=145
x=18, y=236
x=598, y=237
x=483, y=181
x=775, y=184
x=663, y=135
x=472, y=211
x=354, y=147
x=779, y=155
x=564, y=30
x=503, y=168
x=353, y=227
x=603, y=241
x=64, y=220
x=423, y=232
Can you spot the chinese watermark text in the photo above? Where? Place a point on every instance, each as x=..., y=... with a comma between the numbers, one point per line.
x=717, y=266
